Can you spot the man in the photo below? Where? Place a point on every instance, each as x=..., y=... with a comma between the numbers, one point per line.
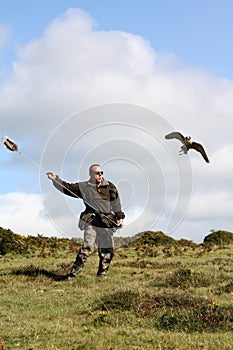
x=100, y=219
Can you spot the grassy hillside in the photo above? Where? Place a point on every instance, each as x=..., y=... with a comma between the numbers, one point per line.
x=155, y=297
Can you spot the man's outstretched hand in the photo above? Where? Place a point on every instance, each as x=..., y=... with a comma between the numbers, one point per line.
x=51, y=175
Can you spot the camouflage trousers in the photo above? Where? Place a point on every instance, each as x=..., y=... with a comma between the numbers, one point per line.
x=95, y=237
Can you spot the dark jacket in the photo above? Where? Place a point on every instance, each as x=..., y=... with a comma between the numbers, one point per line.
x=98, y=200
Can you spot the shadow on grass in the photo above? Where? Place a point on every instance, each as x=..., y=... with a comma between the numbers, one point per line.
x=34, y=271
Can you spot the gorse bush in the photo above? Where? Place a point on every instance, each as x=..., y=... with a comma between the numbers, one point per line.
x=11, y=242
x=187, y=243
x=219, y=237
x=151, y=238
x=147, y=244
x=44, y=246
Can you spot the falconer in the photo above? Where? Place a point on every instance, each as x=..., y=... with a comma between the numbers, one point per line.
x=100, y=219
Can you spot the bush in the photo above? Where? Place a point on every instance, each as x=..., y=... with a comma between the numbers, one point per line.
x=156, y=238
x=219, y=237
x=11, y=242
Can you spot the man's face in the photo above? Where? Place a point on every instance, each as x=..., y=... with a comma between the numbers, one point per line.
x=96, y=174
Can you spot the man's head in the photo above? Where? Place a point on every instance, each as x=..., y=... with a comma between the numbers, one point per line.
x=96, y=173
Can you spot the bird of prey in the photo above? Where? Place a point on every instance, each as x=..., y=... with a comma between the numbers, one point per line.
x=187, y=144
x=10, y=144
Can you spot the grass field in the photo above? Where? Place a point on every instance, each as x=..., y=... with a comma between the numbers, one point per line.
x=173, y=299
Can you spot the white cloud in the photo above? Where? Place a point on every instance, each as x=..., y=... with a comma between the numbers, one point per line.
x=23, y=213
x=74, y=66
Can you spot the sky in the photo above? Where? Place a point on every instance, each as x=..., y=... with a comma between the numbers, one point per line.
x=104, y=81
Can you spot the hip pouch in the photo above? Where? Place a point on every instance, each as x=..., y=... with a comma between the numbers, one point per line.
x=85, y=220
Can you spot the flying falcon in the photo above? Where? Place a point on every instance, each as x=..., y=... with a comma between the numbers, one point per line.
x=188, y=143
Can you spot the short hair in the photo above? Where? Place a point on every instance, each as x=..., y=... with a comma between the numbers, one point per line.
x=93, y=166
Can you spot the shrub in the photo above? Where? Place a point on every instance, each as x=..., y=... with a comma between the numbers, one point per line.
x=187, y=243
x=151, y=238
x=219, y=237
x=11, y=242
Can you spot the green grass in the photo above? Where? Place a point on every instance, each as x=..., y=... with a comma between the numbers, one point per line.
x=178, y=299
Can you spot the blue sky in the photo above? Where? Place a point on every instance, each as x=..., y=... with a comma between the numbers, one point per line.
x=173, y=57
x=196, y=32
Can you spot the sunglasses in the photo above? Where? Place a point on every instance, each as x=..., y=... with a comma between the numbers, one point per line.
x=98, y=172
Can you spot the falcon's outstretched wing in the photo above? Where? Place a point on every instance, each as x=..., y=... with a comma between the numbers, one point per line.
x=175, y=135
x=198, y=147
